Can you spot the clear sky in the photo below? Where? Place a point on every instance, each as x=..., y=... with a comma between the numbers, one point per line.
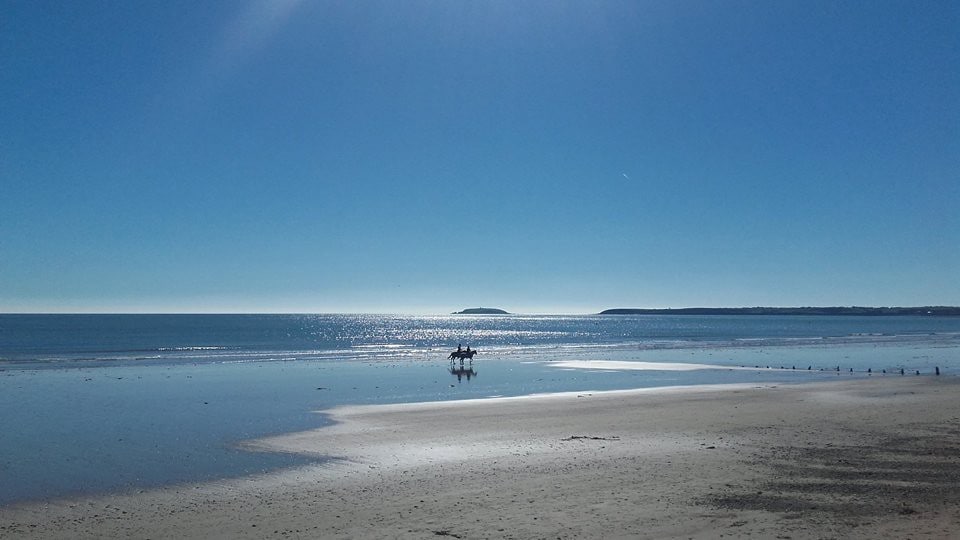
x=426, y=156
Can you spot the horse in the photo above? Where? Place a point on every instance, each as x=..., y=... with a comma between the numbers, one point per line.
x=462, y=355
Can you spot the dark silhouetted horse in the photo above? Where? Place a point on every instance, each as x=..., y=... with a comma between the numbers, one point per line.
x=462, y=355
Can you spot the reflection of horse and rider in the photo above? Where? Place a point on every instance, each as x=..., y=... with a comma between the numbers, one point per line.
x=462, y=354
x=461, y=371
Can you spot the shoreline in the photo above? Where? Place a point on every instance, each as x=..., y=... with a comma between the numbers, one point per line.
x=861, y=458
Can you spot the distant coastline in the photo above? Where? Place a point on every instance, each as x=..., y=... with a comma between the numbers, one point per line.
x=481, y=311
x=926, y=311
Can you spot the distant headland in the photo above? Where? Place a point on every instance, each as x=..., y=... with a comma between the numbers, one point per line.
x=928, y=311
x=481, y=311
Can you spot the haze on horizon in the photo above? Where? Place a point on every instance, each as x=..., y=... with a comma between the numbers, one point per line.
x=426, y=156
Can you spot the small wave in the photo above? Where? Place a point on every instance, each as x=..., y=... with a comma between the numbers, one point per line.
x=194, y=348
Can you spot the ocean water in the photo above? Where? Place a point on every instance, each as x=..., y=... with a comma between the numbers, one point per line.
x=97, y=403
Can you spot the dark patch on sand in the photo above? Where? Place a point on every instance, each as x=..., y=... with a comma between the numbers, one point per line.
x=894, y=475
x=590, y=438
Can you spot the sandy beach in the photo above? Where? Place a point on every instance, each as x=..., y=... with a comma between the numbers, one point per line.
x=876, y=458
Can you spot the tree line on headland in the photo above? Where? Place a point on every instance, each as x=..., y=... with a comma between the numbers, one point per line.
x=852, y=310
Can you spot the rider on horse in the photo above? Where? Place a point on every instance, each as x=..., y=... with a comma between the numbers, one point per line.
x=462, y=354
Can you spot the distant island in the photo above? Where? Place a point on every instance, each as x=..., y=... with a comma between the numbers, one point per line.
x=853, y=310
x=481, y=311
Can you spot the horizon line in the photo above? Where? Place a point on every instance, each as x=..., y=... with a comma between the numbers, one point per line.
x=298, y=312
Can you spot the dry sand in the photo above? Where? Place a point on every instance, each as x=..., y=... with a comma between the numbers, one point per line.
x=875, y=458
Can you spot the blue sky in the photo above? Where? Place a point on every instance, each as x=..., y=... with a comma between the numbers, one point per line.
x=542, y=157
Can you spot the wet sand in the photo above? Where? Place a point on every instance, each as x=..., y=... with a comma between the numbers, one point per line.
x=876, y=458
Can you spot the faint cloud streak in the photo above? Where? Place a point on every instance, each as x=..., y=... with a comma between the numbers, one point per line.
x=249, y=31
x=239, y=39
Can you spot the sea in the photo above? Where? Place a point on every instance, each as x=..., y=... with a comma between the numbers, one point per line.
x=123, y=403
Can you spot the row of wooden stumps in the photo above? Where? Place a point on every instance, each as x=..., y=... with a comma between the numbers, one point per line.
x=869, y=370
